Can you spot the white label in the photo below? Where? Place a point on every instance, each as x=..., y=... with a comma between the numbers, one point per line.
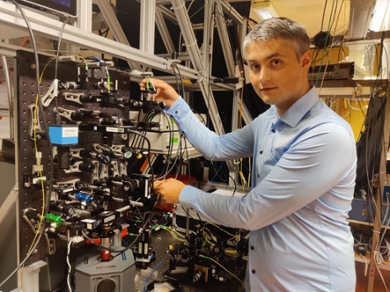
x=70, y=132
x=88, y=221
x=109, y=218
x=115, y=130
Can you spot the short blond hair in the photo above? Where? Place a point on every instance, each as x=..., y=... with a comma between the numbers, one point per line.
x=279, y=28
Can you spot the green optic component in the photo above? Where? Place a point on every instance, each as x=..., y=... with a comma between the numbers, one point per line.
x=108, y=83
x=54, y=219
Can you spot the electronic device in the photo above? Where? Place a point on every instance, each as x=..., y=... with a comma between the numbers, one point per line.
x=68, y=7
x=332, y=71
x=116, y=275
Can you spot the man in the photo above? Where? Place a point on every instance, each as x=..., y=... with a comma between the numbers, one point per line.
x=304, y=161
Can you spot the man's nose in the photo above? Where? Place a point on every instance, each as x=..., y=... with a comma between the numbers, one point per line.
x=264, y=75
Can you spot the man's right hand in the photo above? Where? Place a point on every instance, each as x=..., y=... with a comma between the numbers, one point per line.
x=165, y=92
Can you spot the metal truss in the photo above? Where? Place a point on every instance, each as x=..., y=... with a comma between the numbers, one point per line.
x=50, y=28
x=153, y=12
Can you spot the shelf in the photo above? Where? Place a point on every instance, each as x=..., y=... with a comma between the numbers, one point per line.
x=367, y=223
x=385, y=266
x=360, y=222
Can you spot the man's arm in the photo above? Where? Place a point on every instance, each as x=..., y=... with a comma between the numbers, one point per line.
x=237, y=144
x=311, y=168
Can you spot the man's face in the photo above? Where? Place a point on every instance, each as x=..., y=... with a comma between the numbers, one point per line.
x=276, y=74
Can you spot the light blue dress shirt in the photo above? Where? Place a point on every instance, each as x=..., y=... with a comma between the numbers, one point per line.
x=304, y=176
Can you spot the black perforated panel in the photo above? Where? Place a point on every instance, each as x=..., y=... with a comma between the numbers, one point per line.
x=30, y=196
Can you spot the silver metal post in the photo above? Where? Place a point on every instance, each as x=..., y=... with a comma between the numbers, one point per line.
x=147, y=26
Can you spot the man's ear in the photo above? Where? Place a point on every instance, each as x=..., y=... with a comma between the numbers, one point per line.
x=306, y=59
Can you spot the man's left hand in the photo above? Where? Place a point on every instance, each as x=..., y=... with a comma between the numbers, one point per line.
x=169, y=190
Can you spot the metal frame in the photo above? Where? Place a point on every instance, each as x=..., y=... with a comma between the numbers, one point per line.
x=84, y=8
x=114, y=25
x=147, y=31
x=162, y=28
x=9, y=15
x=223, y=36
x=81, y=36
x=183, y=19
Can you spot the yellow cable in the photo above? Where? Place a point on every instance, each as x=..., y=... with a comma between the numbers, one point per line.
x=211, y=234
x=209, y=223
x=82, y=58
x=35, y=121
x=174, y=236
x=238, y=279
x=230, y=251
x=178, y=233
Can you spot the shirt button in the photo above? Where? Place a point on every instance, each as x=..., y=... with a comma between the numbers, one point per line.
x=273, y=130
x=253, y=272
x=252, y=247
x=261, y=152
x=176, y=112
x=258, y=175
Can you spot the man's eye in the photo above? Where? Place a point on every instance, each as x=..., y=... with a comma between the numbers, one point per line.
x=255, y=67
x=276, y=62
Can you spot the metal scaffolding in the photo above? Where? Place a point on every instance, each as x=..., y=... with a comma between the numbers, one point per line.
x=152, y=12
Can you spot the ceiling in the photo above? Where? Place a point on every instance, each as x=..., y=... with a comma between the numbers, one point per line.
x=309, y=13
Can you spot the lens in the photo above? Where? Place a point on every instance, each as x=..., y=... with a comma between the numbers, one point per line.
x=107, y=285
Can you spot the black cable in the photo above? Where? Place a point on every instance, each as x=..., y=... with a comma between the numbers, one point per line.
x=149, y=149
x=189, y=215
x=177, y=83
x=136, y=238
x=334, y=18
x=147, y=222
x=338, y=15
x=57, y=116
x=166, y=168
x=197, y=113
x=181, y=80
x=47, y=133
x=58, y=50
x=235, y=185
x=323, y=14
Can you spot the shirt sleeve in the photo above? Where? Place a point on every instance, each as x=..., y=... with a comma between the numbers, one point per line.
x=318, y=161
x=237, y=144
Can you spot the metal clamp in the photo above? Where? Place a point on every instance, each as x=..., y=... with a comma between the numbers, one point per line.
x=95, y=171
x=123, y=168
x=115, y=168
x=51, y=245
x=66, y=113
x=75, y=167
x=71, y=182
x=75, y=97
x=50, y=94
x=34, y=124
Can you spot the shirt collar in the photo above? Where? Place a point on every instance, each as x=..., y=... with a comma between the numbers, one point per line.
x=296, y=112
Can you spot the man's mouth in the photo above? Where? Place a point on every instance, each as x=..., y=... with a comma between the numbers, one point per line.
x=267, y=89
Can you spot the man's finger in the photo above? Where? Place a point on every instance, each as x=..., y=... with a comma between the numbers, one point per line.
x=157, y=184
